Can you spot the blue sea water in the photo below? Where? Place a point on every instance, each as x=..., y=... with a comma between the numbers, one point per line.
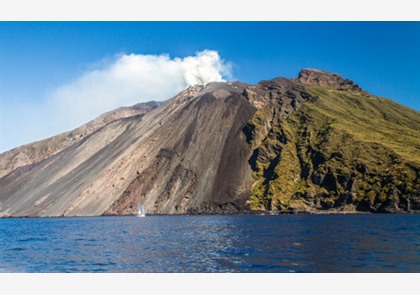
x=213, y=243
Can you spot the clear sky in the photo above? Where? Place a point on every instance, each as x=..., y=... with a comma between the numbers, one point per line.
x=40, y=59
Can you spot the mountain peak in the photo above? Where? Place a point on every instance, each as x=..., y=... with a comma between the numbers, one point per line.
x=281, y=145
x=326, y=79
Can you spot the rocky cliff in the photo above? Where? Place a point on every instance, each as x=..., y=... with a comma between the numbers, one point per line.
x=343, y=150
x=315, y=143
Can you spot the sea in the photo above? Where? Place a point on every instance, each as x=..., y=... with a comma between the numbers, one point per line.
x=350, y=243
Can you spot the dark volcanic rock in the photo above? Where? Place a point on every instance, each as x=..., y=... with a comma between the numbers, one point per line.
x=326, y=79
x=282, y=145
x=189, y=151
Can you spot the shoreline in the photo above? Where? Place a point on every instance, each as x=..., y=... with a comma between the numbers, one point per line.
x=256, y=213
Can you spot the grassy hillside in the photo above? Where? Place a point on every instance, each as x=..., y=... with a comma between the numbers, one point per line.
x=342, y=150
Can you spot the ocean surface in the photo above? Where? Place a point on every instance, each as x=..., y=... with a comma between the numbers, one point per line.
x=213, y=243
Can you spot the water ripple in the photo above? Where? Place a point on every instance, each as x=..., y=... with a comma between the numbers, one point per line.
x=287, y=243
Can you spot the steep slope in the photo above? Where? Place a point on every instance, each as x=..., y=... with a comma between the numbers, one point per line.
x=344, y=150
x=203, y=167
x=40, y=150
x=171, y=158
x=310, y=144
x=187, y=156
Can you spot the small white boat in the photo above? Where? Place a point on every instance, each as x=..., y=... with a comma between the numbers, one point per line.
x=142, y=212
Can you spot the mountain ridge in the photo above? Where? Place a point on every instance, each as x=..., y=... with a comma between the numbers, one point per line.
x=312, y=144
x=31, y=153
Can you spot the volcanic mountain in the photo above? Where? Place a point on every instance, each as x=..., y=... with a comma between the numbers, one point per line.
x=315, y=143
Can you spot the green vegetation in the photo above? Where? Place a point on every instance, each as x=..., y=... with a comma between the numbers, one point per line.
x=346, y=150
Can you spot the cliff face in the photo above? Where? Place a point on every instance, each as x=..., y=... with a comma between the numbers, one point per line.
x=343, y=150
x=314, y=143
x=326, y=80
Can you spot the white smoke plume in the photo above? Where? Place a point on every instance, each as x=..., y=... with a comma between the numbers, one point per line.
x=127, y=80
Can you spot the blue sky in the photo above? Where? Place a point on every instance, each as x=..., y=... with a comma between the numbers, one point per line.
x=37, y=58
